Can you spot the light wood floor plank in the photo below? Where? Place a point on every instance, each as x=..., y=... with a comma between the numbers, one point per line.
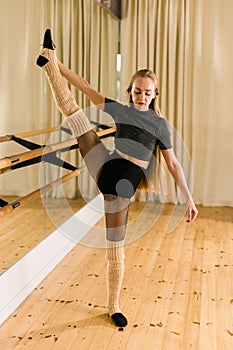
x=23, y=229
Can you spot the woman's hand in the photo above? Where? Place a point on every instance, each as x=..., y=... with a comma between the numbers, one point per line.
x=192, y=211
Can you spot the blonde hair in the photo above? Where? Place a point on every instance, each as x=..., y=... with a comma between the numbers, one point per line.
x=153, y=179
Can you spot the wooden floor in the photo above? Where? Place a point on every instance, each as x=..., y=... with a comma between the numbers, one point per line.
x=177, y=293
x=23, y=229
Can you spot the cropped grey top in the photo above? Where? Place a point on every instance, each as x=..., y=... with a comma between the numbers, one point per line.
x=138, y=133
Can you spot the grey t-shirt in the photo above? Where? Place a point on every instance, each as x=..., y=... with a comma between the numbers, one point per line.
x=138, y=133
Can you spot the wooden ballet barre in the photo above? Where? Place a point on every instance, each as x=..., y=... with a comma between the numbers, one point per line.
x=7, y=162
x=7, y=209
x=28, y=134
x=21, y=157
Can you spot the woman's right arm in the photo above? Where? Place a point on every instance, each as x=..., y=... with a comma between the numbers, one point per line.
x=82, y=85
x=176, y=171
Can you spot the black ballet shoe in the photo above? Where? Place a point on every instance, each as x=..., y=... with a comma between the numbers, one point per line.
x=119, y=319
x=48, y=43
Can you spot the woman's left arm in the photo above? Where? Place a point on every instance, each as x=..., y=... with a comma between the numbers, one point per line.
x=176, y=171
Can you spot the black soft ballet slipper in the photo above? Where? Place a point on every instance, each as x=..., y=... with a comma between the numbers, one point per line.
x=48, y=42
x=119, y=319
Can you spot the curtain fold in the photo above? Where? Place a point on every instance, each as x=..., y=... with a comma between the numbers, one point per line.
x=186, y=42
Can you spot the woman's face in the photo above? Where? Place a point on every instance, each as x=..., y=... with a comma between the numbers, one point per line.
x=143, y=91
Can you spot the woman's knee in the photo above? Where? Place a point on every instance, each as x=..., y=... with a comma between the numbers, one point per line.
x=114, y=204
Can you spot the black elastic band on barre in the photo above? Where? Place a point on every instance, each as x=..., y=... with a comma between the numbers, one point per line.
x=3, y=203
x=68, y=131
x=28, y=144
x=48, y=158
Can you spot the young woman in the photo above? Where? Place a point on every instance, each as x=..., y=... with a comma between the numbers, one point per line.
x=140, y=130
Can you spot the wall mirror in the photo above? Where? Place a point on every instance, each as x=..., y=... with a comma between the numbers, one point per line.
x=86, y=34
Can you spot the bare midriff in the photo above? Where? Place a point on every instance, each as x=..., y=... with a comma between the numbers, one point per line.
x=142, y=163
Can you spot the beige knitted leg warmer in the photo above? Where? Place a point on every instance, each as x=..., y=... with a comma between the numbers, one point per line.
x=63, y=96
x=115, y=273
x=79, y=123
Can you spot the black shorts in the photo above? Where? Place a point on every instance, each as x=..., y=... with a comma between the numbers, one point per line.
x=119, y=176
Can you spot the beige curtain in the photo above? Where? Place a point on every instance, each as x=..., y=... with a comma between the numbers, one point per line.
x=187, y=44
x=86, y=37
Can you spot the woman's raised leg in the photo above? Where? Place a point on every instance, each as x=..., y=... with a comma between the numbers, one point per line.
x=91, y=147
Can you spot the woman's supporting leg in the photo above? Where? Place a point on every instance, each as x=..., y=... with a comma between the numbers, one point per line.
x=116, y=211
x=91, y=147
x=115, y=272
